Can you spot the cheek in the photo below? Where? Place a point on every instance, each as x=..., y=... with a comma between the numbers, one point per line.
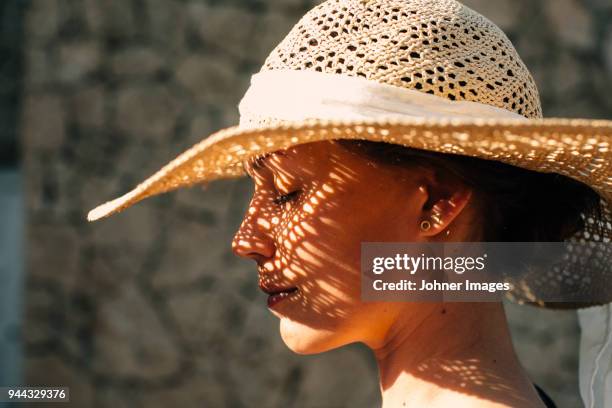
x=387, y=219
x=322, y=257
x=322, y=244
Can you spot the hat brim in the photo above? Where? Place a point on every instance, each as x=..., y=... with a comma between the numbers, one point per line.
x=577, y=148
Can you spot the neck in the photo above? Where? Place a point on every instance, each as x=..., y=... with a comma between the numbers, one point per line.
x=453, y=354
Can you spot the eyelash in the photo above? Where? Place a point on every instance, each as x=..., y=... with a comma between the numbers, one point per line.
x=286, y=197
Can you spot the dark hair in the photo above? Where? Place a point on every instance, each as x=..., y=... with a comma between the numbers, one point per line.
x=519, y=205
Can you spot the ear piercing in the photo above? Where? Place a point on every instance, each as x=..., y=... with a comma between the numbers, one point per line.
x=425, y=225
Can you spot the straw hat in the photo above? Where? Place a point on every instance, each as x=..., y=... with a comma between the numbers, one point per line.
x=427, y=74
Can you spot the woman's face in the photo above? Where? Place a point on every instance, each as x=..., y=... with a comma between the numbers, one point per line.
x=312, y=207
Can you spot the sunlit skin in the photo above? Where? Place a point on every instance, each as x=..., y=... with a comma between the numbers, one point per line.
x=428, y=354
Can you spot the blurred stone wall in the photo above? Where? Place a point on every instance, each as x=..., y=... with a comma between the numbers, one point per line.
x=11, y=202
x=150, y=307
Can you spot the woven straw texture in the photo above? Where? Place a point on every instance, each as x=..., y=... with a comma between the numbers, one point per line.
x=439, y=47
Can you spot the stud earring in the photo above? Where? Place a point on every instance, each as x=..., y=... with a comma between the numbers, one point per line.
x=425, y=225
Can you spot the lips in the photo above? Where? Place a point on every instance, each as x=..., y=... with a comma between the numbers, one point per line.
x=275, y=290
x=276, y=293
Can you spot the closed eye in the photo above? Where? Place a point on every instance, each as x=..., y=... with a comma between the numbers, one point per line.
x=286, y=197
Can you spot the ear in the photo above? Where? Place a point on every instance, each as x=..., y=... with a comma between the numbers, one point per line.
x=445, y=209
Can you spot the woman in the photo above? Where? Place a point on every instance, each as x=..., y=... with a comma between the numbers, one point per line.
x=311, y=209
x=483, y=166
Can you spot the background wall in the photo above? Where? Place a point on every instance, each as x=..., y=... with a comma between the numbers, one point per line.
x=150, y=308
x=11, y=197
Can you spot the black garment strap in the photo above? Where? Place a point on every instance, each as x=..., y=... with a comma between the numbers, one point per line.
x=544, y=397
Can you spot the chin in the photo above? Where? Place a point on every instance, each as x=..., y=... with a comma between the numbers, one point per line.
x=303, y=339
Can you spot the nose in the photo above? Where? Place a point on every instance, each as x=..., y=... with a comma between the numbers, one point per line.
x=253, y=238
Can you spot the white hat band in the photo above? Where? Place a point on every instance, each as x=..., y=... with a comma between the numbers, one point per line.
x=295, y=95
